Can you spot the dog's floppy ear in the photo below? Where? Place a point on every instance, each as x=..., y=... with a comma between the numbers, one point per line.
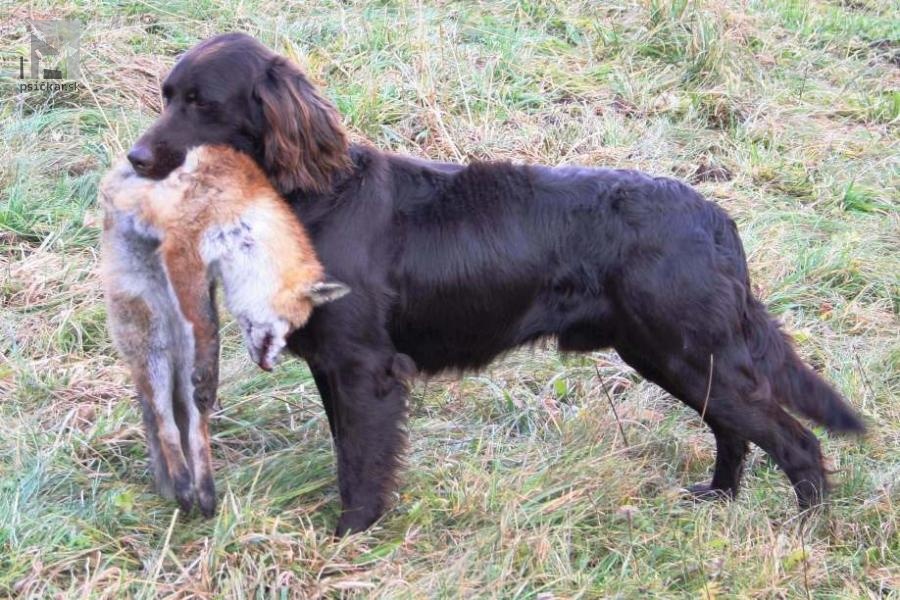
x=327, y=291
x=303, y=141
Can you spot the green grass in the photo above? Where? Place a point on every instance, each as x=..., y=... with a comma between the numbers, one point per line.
x=519, y=483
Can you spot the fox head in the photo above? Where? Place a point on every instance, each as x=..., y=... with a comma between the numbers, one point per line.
x=218, y=217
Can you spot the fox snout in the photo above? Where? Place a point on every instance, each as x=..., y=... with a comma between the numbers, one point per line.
x=265, y=340
x=266, y=337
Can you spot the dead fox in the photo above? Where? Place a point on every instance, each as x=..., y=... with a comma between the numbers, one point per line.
x=164, y=244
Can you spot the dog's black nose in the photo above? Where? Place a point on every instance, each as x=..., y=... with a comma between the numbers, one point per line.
x=141, y=158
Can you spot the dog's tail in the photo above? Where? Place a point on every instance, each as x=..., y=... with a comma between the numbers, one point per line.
x=793, y=382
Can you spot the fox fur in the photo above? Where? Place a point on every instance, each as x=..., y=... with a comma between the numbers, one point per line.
x=164, y=245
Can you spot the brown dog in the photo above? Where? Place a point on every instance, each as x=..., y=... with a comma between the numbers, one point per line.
x=454, y=265
x=164, y=244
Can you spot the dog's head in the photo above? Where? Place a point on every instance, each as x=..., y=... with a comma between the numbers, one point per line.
x=232, y=90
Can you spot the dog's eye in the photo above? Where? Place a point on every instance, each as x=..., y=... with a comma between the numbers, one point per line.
x=192, y=98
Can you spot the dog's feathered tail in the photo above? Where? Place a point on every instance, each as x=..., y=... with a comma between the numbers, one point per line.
x=793, y=382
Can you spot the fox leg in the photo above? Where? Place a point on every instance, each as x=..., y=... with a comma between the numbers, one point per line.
x=198, y=373
x=192, y=419
x=196, y=397
x=155, y=380
x=144, y=339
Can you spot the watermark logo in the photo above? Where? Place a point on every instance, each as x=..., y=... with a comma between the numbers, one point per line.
x=54, y=60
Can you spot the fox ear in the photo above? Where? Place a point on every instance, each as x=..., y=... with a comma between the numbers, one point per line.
x=327, y=291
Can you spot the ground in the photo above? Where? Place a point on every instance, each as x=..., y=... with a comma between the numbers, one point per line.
x=520, y=482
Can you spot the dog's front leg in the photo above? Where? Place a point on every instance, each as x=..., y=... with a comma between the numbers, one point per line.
x=324, y=387
x=367, y=396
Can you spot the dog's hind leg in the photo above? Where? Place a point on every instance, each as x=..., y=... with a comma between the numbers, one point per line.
x=740, y=402
x=731, y=451
x=682, y=301
x=731, y=447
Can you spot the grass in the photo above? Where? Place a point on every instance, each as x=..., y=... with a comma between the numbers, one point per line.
x=520, y=484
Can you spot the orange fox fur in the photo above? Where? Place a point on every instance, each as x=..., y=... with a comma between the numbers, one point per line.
x=164, y=243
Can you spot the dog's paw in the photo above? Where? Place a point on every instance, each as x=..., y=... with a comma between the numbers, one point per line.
x=705, y=492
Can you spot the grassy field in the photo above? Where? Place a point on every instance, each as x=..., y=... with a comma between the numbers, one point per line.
x=519, y=483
